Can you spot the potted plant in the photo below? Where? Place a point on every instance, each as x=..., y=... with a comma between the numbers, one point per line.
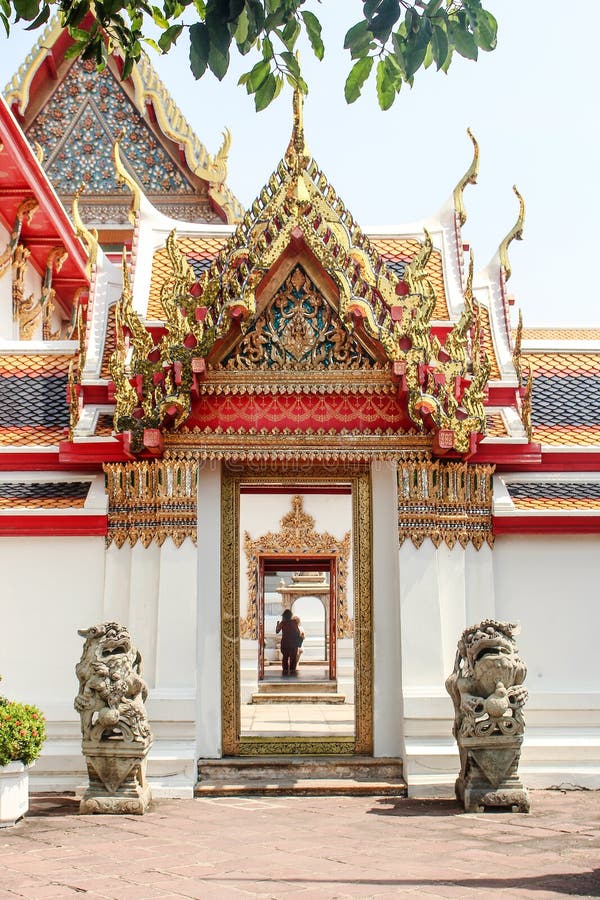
x=22, y=733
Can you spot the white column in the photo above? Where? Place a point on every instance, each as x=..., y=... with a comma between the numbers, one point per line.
x=208, y=696
x=388, y=739
x=177, y=598
x=451, y=580
x=117, y=582
x=480, y=595
x=422, y=659
x=143, y=605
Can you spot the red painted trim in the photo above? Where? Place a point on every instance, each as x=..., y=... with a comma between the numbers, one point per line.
x=508, y=456
x=22, y=460
x=546, y=525
x=53, y=526
x=556, y=462
x=502, y=396
x=94, y=453
x=15, y=143
x=298, y=489
x=96, y=395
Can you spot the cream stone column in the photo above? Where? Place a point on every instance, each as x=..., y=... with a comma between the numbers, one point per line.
x=208, y=694
x=176, y=649
x=479, y=584
x=117, y=583
x=143, y=604
x=388, y=715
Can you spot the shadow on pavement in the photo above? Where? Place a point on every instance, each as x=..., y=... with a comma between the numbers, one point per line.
x=395, y=806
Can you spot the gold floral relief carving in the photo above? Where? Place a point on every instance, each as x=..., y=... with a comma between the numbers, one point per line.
x=445, y=502
x=232, y=742
x=298, y=330
x=152, y=500
x=297, y=536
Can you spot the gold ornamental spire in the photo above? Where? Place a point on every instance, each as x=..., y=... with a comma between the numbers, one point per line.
x=515, y=233
x=470, y=177
x=297, y=156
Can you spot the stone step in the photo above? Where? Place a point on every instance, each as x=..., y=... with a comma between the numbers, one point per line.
x=295, y=686
x=316, y=776
x=298, y=697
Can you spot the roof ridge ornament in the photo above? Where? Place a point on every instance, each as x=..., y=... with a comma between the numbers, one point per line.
x=88, y=236
x=470, y=177
x=123, y=177
x=515, y=233
x=297, y=155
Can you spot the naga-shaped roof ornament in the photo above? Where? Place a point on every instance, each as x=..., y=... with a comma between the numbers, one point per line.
x=124, y=178
x=87, y=235
x=470, y=177
x=515, y=233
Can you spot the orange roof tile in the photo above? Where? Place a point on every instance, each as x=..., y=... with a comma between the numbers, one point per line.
x=403, y=250
x=563, y=363
x=556, y=503
x=495, y=426
x=568, y=435
x=47, y=364
x=110, y=339
x=32, y=436
x=192, y=248
x=561, y=334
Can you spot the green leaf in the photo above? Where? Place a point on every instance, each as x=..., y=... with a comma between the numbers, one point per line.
x=359, y=73
x=40, y=20
x=313, y=30
x=241, y=32
x=386, y=92
x=486, y=30
x=6, y=24
x=291, y=64
x=386, y=16
x=462, y=39
x=358, y=39
x=27, y=9
x=199, y=49
x=439, y=46
x=290, y=33
x=265, y=93
x=159, y=19
x=218, y=62
x=257, y=75
x=169, y=37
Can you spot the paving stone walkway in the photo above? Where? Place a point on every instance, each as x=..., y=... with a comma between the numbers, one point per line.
x=325, y=847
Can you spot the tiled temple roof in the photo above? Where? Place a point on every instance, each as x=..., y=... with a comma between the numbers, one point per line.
x=43, y=494
x=33, y=407
x=555, y=494
x=565, y=398
x=561, y=334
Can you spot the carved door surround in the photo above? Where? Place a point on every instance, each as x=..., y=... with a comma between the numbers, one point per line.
x=233, y=744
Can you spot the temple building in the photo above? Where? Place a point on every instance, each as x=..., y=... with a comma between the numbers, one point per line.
x=212, y=415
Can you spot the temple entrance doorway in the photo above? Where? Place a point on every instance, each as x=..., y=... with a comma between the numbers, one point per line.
x=301, y=545
x=307, y=587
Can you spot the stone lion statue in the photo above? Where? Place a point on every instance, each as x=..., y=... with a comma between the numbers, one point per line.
x=487, y=690
x=115, y=732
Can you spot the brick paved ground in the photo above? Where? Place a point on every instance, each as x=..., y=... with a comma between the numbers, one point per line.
x=307, y=848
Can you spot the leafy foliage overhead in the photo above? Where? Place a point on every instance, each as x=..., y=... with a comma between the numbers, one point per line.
x=394, y=38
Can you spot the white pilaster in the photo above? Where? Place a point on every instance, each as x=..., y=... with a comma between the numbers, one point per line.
x=117, y=584
x=386, y=613
x=208, y=696
x=176, y=647
x=143, y=605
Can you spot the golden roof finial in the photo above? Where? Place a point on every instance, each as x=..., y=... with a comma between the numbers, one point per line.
x=90, y=238
x=515, y=233
x=517, y=349
x=470, y=177
x=123, y=177
x=297, y=155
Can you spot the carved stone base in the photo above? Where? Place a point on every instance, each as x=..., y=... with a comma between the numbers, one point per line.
x=489, y=776
x=117, y=783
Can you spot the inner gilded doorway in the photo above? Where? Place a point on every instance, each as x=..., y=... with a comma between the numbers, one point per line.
x=287, y=533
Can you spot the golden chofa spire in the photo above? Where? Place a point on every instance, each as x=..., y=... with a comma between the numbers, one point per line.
x=470, y=177
x=297, y=156
x=515, y=233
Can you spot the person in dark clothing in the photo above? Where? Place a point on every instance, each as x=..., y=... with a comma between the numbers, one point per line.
x=290, y=634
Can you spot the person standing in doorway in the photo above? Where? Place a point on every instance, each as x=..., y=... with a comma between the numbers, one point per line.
x=289, y=642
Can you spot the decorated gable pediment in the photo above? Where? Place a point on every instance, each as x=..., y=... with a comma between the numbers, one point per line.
x=298, y=326
x=298, y=330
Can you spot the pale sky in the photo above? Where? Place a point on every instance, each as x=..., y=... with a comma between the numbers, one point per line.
x=532, y=105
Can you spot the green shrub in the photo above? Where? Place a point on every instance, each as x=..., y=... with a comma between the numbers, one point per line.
x=22, y=732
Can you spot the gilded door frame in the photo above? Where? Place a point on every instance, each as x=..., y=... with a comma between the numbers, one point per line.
x=233, y=744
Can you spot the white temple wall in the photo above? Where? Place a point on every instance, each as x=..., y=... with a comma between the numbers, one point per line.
x=549, y=583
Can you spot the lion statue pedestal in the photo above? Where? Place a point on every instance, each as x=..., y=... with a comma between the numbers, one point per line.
x=115, y=733
x=488, y=696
